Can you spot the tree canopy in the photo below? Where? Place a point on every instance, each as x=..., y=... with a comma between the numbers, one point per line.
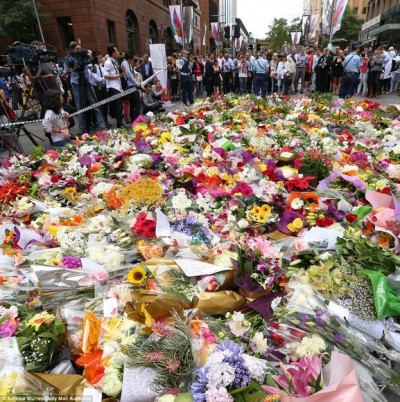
x=279, y=31
x=18, y=20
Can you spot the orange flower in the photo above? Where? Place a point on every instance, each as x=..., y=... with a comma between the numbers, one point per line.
x=113, y=200
x=311, y=200
x=76, y=220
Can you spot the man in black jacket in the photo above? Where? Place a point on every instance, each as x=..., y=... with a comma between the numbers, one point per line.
x=208, y=73
x=147, y=68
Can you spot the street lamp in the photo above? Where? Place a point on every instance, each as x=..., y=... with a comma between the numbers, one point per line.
x=38, y=20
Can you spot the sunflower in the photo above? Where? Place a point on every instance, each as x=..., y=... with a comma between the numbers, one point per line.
x=137, y=275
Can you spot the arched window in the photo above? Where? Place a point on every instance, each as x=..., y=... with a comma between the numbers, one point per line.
x=153, y=33
x=132, y=31
x=169, y=41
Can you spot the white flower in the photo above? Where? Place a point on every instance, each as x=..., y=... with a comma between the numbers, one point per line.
x=100, y=223
x=112, y=385
x=275, y=303
x=243, y=224
x=286, y=155
x=113, y=257
x=218, y=395
x=101, y=188
x=297, y=203
x=396, y=149
x=259, y=343
x=238, y=325
x=257, y=367
x=180, y=201
x=310, y=345
x=221, y=375
x=288, y=172
x=72, y=240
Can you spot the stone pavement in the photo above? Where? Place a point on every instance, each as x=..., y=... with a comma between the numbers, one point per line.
x=37, y=129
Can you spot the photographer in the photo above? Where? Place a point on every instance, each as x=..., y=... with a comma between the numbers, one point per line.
x=78, y=61
x=151, y=104
x=113, y=77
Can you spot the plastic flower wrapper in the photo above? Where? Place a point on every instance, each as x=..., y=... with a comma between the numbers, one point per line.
x=302, y=381
x=308, y=312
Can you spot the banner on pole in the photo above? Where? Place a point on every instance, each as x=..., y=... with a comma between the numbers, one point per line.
x=338, y=15
x=326, y=16
x=176, y=22
x=295, y=37
x=215, y=32
x=159, y=61
x=313, y=27
x=205, y=35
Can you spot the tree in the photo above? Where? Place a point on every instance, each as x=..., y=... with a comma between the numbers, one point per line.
x=278, y=33
x=18, y=20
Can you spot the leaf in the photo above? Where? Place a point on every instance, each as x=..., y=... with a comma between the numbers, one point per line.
x=248, y=267
x=47, y=335
x=22, y=340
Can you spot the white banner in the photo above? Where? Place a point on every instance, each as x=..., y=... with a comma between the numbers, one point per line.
x=338, y=15
x=313, y=27
x=176, y=22
x=205, y=35
x=295, y=37
x=159, y=61
x=215, y=32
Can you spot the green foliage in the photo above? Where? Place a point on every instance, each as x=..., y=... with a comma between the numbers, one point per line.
x=18, y=20
x=278, y=33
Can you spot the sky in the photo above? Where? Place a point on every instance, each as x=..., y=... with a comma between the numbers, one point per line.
x=257, y=15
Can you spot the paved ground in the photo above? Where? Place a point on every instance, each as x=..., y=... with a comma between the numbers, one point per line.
x=37, y=129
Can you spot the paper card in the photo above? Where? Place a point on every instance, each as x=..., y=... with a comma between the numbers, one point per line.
x=90, y=266
x=110, y=307
x=163, y=228
x=374, y=329
x=198, y=268
x=323, y=238
x=91, y=395
x=137, y=385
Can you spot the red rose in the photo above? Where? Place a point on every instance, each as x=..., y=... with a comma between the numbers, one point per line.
x=351, y=218
x=324, y=222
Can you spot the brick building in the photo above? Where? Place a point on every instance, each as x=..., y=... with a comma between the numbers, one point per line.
x=130, y=24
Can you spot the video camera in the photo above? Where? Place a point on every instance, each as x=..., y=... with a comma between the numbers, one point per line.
x=79, y=60
x=21, y=53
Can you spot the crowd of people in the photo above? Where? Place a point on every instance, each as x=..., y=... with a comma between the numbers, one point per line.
x=76, y=82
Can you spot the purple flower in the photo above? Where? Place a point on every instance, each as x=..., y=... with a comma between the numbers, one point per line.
x=304, y=317
x=337, y=214
x=199, y=387
x=71, y=262
x=320, y=318
x=340, y=338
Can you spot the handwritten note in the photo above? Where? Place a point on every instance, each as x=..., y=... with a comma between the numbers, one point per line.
x=198, y=268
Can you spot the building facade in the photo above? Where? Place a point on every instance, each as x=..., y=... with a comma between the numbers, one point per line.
x=130, y=24
x=382, y=25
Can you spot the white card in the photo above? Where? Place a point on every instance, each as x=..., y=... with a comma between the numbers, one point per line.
x=110, y=307
x=163, y=228
x=198, y=268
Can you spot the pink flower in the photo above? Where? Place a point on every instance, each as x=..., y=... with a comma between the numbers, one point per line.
x=265, y=246
x=53, y=154
x=8, y=328
x=244, y=189
x=101, y=276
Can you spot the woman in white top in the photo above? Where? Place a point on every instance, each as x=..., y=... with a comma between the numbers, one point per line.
x=55, y=122
x=243, y=74
x=285, y=72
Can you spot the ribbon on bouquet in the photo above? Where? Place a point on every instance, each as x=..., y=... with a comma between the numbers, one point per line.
x=85, y=109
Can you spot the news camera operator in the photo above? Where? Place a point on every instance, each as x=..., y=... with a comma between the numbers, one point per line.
x=78, y=62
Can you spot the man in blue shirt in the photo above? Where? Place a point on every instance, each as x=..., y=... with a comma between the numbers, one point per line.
x=351, y=64
x=261, y=70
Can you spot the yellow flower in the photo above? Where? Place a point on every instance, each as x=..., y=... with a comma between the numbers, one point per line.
x=137, y=275
x=296, y=225
x=41, y=318
x=266, y=209
x=165, y=137
x=7, y=383
x=144, y=191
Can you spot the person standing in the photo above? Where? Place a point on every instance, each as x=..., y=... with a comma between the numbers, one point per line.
x=351, y=65
x=208, y=73
x=301, y=64
x=134, y=98
x=242, y=68
x=185, y=73
x=323, y=68
x=113, y=81
x=147, y=67
x=337, y=72
x=363, y=85
x=227, y=73
x=261, y=69
x=273, y=72
x=250, y=71
x=375, y=70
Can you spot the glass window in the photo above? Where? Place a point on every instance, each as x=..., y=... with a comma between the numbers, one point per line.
x=66, y=30
x=111, y=32
x=131, y=31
